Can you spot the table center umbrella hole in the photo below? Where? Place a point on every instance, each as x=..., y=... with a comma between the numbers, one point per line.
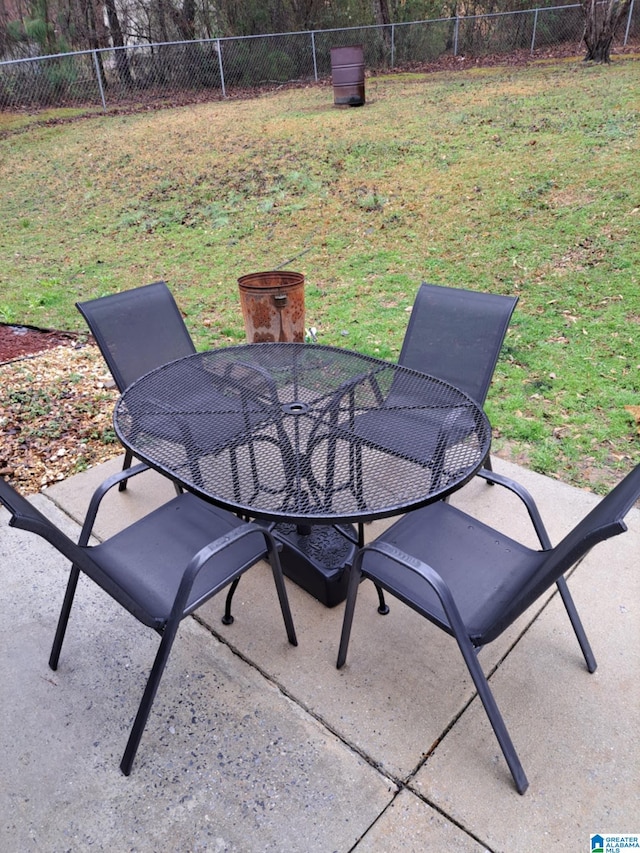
x=295, y=408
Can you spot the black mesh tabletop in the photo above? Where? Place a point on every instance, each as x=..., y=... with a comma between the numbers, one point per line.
x=303, y=433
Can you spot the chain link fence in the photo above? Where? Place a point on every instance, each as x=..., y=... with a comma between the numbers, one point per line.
x=179, y=71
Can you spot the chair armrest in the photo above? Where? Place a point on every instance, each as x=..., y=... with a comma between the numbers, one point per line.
x=100, y=492
x=202, y=557
x=425, y=571
x=526, y=498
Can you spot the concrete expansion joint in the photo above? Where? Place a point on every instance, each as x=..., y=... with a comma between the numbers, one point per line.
x=397, y=782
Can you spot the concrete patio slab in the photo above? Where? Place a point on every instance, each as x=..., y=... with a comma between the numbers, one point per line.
x=255, y=745
x=143, y=494
x=412, y=674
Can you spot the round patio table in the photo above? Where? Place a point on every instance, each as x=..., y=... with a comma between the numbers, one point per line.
x=304, y=435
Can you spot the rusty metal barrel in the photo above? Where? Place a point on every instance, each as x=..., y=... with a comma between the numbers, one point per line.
x=347, y=74
x=273, y=306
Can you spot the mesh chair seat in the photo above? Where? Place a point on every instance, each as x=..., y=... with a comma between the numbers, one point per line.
x=503, y=563
x=140, y=561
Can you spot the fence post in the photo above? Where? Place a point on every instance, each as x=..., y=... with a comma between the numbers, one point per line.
x=455, y=37
x=313, y=53
x=99, y=77
x=393, y=45
x=535, y=26
x=626, y=34
x=219, y=46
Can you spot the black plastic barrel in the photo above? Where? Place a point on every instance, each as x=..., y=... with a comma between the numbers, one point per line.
x=347, y=74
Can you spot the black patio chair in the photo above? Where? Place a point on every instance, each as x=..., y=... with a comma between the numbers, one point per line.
x=472, y=581
x=160, y=569
x=455, y=335
x=136, y=331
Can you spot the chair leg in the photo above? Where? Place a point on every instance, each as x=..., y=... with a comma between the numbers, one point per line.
x=227, y=619
x=347, y=622
x=144, y=709
x=63, y=619
x=487, y=464
x=128, y=459
x=283, y=598
x=493, y=712
x=162, y=657
x=274, y=562
x=475, y=670
x=576, y=622
x=383, y=607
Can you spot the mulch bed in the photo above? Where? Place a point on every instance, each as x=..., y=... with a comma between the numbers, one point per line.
x=18, y=341
x=55, y=408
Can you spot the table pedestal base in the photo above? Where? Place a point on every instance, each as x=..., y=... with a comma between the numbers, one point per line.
x=318, y=559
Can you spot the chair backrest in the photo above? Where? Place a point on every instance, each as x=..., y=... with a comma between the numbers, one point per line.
x=605, y=520
x=456, y=335
x=137, y=330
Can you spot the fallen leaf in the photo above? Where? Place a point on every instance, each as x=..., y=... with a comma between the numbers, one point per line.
x=634, y=411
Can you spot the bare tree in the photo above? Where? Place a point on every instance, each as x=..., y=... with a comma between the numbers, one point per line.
x=601, y=19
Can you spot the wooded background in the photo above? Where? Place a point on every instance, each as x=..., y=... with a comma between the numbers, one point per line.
x=32, y=27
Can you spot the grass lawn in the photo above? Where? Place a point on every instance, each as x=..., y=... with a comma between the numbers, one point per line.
x=513, y=180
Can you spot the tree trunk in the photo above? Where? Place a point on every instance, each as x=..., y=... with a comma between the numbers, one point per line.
x=381, y=12
x=122, y=61
x=186, y=20
x=600, y=24
x=94, y=19
x=383, y=19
